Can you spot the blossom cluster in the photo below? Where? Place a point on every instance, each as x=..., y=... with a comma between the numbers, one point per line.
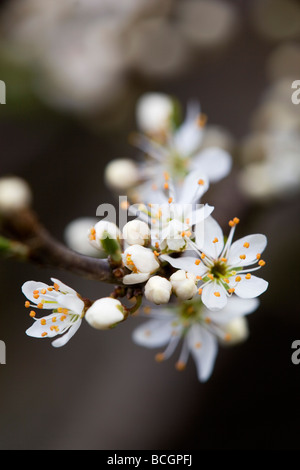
x=196, y=282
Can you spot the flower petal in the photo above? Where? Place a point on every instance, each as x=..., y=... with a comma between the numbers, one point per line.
x=155, y=333
x=63, y=287
x=250, y=246
x=214, y=162
x=214, y=296
x=250, y=288
x=30, y=286
x=63, y=340
x=135, y=278
x=41, y=326
x=236, y=307
x=204, y=347
x=71, y=302
x=194, y=186
x=206, y=235
x=187, y=263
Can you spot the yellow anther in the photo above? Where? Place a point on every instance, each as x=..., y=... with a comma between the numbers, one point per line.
x=183, y=234
x=188, y=233
x=63, y=317
x=170, y=200
x=201, y=182
x=243, y=256
x=56, y=286
x=35, y=296
x=40, y=306
x=197, y=345
x=215, y=240
x=166, y=176
x=197, y=262
x=187, y=221
x=208, y=320
x=261, y=262
x=217, y=294
x=236, y=220
x=44, y=334
x=159, y=357
x=227, y=337
x=200, y=291
x=203, y=256
x=27, y=304
x=226, y=280
x=32, y=313
x=246, y=245
x=35, y=292
x=43, y=291
x=199, y=278
x=238, y=279
x=201, y=120
x=166, y=186
x=248, y=276
x=43, y=321
x=231, y=291
x=258, y=256
x=231, y=223
x=224, y=260
x=50, y=289
x=156, y=253
x=180, y=366
x=210, y=276
x=54, y=319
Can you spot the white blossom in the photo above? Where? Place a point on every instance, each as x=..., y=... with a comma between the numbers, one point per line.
x=68, y=310
x=222, y=268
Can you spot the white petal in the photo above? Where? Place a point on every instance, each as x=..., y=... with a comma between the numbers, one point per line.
x=66, y=337
x=257, y=244
x=63, y=287
x=135, y=278
x=155, y=333
x=214, y=296
x=187, y=263
x=249, y=288
x=189, y=136
x=203, y=346
x=200, y=214
x=191, y=190
x=214, y=162
x=71, y=302
x=37, y=329
x=206, y=234
x=236, y=307
x=31, y=286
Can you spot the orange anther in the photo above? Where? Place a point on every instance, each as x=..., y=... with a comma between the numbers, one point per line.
x=56, y=286
x=243, y=256
x=217, y=294
x=200, y=291
x=43, y=321
x=159, y=357
x=170, y=200
x=180, y=366
x=246, y=245
x=215, y=240
x=238, y=279
x=231, y=291
x=27, y=304
x=258, y=256
x=261, y=262
x=32, y=313
x=248, y=276
x=197, y=262
x=224, y=260
x=201, y=182
x=44, y=334
x=40, y=306
x=236, y=220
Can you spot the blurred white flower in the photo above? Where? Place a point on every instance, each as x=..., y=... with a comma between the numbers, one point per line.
x=77, y=236
x=121, y=174
x=15, y=194
x=200, y=329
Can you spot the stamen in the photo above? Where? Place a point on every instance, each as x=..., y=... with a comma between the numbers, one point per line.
x=201, y=182
x=224, y=260
x=200, y=291
x=27, y=304
x=32, y=313
x=261, y=262
x=258, y=256
x=180, y=366
x=217, y=294
x=243, y=256
x=40, y=306
x=197, y=262
x=215, y=240
x=238, y=279
x=246, y=245
x=43, y=321
x=160, y=357
x=231, y=290
x=44, y=334
x=248, y=276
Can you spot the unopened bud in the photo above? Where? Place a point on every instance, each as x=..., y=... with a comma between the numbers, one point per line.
x=154, y=112
x=121, y=174
x=136, y=232
x=105, y=313
x=15, y=194
x=184, y=284
x=158, y=290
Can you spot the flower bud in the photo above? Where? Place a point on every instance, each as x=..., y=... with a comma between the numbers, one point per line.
x=158, y=290
x=141, y=261
x=184, y=284
x=236, y=331
x=101, y=231
x=105, y=313
x=154, y=112
x=136, y=232
x=15, y=194
x=121, y=174
x=76, y=236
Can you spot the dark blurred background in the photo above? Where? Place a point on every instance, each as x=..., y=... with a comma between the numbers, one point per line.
x=239, y=59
